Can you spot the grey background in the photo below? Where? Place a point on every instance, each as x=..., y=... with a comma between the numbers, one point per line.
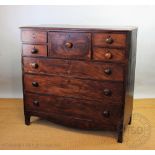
x=12, y=17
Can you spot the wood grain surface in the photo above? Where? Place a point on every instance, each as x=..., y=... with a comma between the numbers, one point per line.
x=71, y=87
x=81, y=43
x=78, y=69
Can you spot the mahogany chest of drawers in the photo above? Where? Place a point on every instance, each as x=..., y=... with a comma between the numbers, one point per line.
x=79, y=77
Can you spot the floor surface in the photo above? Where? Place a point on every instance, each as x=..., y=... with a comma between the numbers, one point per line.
x=42, y=134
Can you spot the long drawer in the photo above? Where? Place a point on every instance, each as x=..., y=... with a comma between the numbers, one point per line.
x=76, y=88
x=98, y=112
x=79, y=69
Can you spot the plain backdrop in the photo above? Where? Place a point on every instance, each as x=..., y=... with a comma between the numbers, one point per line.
x=12, y=17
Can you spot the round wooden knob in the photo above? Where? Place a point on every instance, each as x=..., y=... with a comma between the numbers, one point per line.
x=36, y=102
x=108, y=55
x=69, y=45
x=107, y=71
x=34, y=51
x=34, y=65
x=107, y=92
x=106, y=113
x=35, y=84
x=109, y=40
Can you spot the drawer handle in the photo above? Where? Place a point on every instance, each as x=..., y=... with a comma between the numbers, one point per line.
x=35, y=84
x=106, y=113
x=34, y=65
x=108, y=55
x=34, y=51
x=107, y=92
x=107, y=71
x=109, y=40
x=69, y=45
x=36, y=103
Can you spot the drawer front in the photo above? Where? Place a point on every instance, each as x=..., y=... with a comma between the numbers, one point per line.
x=76, y=88
x=79, y=69
x=34, y=36
x=107, y=114
x=104, y=54
x=34, y=50
x=69, y=45
x=109, y=40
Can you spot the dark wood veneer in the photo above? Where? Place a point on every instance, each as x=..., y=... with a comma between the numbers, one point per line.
x=69, y=45
x=34, y=50
x=79, y=77
x=71, y=68
x=71, y=87
x=91, y=110
x=109, y=40
x=34, y=36
x=111, y=55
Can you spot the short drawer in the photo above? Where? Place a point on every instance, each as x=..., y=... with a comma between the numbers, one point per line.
x=97, y=112
x=78, y=69
x=106, y=54
x=69, y=45
x=34, y=36
x=109, y=40
x=76, y=88
x=34, y=50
